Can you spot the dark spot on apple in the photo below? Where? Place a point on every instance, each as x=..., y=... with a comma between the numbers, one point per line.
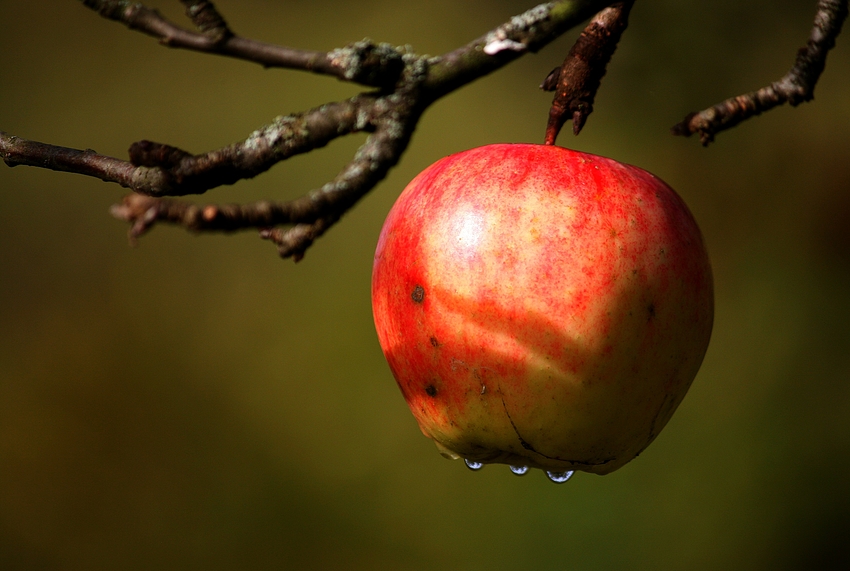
x=418, y=294
x=434, y=342
x=431, y=390
x=651, y=309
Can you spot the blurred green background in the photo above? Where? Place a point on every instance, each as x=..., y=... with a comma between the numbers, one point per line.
x=197, y=403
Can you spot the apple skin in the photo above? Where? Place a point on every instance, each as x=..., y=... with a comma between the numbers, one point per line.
x=540, y=306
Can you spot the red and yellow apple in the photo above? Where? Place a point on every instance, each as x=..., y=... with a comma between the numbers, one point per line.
x=541, y=307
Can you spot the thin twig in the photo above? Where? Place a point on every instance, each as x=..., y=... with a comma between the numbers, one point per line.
x=576, y=82
x=797, y=86
x=362, y=62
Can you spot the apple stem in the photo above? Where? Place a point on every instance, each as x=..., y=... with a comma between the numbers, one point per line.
x=576, y=82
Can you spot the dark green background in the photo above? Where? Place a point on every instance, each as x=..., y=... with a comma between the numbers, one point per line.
x=197, y=403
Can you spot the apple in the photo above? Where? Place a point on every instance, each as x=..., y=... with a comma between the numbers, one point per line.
x=541, y=307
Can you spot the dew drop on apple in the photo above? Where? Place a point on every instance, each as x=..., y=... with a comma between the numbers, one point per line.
x=559, y=477
x=472, y=465
x=519, y=470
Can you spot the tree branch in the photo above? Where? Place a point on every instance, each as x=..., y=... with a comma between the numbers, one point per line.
x=527, y=32
x=797, y=86
x=155, y=169
x=312, y=213
x=408, y=84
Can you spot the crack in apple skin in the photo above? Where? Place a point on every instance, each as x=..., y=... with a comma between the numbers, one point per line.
x=532, y=298
x=531, y=448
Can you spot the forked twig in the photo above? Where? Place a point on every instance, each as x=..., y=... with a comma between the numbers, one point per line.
x=362, y=62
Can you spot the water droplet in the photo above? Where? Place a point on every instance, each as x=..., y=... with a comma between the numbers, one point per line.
x=519, y=470
x=560, y=477
x=472, y=465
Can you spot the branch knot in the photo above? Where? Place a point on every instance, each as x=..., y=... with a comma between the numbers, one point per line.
x=368, y=63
